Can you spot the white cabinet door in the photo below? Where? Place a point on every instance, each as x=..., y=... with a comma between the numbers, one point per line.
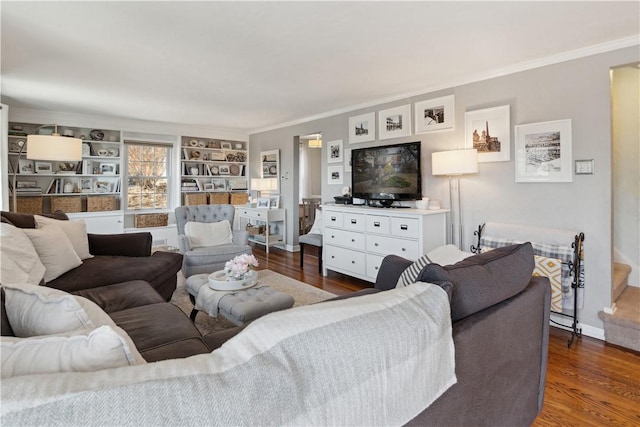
x=101, y=223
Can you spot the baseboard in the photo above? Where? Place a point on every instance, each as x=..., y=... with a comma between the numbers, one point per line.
x=587, y=330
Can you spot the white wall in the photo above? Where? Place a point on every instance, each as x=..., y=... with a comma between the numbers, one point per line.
x=625, y=88
x=578, y=90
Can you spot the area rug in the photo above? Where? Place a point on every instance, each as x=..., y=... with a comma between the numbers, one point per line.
x=302, y=293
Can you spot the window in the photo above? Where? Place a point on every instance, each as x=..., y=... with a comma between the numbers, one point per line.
x=147, y=175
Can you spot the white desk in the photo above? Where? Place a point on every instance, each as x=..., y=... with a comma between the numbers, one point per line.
x=273, y=219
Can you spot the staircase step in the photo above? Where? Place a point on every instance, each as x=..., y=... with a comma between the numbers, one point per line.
x=623, y=327
x=620, y=279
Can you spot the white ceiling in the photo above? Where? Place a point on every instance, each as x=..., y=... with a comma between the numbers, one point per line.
x=253, y=65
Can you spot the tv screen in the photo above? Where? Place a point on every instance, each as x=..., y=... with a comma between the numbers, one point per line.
x=387, y=173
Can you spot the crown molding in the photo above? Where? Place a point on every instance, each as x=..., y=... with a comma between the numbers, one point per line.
x=499, y=72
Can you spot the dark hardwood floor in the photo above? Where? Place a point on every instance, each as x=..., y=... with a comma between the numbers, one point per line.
x=589, y=384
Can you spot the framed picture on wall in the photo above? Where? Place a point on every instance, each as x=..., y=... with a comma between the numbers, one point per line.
x=394, y=122
x=362, y=128
x=543, y=152
x=334, y=151
x=435, y=114
x=334, y=174
x=489, y=132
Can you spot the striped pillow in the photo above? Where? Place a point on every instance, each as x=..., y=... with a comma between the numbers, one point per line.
x=442, y=255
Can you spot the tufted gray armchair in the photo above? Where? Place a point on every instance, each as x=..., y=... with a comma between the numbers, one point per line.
x=213, y=258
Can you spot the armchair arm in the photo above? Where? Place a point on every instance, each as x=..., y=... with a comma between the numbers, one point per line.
x=240, y=237
x=390, y=270
x=125, y=244
x=183, y=244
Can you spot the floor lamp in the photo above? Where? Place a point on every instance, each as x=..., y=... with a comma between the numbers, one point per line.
x=454, y=164
x=46, y=147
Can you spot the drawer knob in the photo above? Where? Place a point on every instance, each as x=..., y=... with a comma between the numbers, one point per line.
x=353, y=221
x=375, y=244
x=333, y=218
x=376, y=267
x=376, y=224
x=404, y=249
x=403, y=227
x=353, y=240
x=333, y=237
x=353, y=262
x=332, y=256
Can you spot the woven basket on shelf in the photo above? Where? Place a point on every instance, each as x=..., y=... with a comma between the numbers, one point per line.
x=66, y=204
x=29, y=205
x=195, y=199
x=218, y=198
x=101, y=203
x=151, y=220
x=239, y=198
x=254, y=230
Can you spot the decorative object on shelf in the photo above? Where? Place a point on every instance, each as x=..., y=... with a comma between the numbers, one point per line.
x=362, y=128
x=86, y=149
x=334, y=151
x=218, y=184
x=263, y=202
x=15, y=144
x=108, y=168
x=394, y=122
x=102, y=187
x=234, y=169
x=454, y=164
x=68, y=187
x=96, y=135
x=543, y=152
x=224, y=170
x=214, y=170
x=193, y=142
x=68, y=132
x=435, y=114
x=194, y=155
x=274, y=201
x=66, y=168
x=489, y=132
x=194, y=170
x=103, y=152
x=113, y=152
x=44, y=167
x=240, y=266
x=25, y=166
x=225, y=145
x=202, y=144
x=237, y=184
x=238, y=146
x=86, y=185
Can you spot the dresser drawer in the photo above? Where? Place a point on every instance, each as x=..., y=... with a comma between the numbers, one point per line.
x=373, y=265
x=345, y=259
x=355, y=222
x=377, y=224
x=254, y=214
x=405, y=227
x=333, y=219
x=347, y=239
x=384, y=245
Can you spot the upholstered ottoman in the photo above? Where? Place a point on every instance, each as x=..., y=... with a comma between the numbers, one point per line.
x=239, y=307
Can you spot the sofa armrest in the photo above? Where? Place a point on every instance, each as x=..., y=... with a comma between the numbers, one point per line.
x=183, y=244
x=125, y=244
x=240, y=237
x=390, y=270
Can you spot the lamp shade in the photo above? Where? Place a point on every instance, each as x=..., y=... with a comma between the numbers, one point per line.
x=54, y=147
x=264, y=184
x=454, y=162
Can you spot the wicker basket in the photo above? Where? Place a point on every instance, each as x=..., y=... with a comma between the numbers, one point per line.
x=151, y=220
x=254, y=230
x=195, y=199
x=66, y=204
x=29, y=205
x=218, y=198
x=239, y=198
x=101, y=203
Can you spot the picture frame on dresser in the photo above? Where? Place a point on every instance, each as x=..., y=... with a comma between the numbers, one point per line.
x=274, y=201
x=263, y=203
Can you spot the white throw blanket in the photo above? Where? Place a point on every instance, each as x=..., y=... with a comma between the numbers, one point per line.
x=374, y=360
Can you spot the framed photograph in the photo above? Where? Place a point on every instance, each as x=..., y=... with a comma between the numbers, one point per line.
x=102, y=187
x=394, y=122
x=489, y=132
x=543, y=152
x=274, y=201
x=435, y=114
x=347, y=159
x=208, y=186
x=108, y=168
x=334, y=174
x=86, y=185
x=219, y=184
x=226, y=145
x=334, y=151
x=237, y=184
x=362, y=128
x=25, y=166
x=44, y=167
x=263, y=202
x=14, y=145
x=26, y=184
x=224, y=170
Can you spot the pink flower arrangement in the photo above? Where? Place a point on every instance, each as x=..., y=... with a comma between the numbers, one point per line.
x=239, y=266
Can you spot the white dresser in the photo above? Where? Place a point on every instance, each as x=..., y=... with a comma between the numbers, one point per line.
x=273, y=219
x=356, y=239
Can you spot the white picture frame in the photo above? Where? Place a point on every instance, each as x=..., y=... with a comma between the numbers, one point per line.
x=335, y=174
x=219, y=184
x=347, y=160
x=108, y=168
x=274, y=201
x=489, y=131
x=25, y=166
x=394, y=122
x=226, y=146
x=224, y=170
x=435, y=114
x=335, y=153
x=102, y=186
x=44, y=167
x=543, y=152
x=263, y=202
x=86, y=185
x=208, y=186
x=362, y=128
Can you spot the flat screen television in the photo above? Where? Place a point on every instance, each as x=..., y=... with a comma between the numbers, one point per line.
x=387, y=173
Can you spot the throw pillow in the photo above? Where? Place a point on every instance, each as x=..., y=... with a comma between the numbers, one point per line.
x=80, y=351
x=20, y=261
x=443, y=255
x=551, y=268
x=38, y=310
x=54, y=249
x=483, y=280
x=316, y=228
x=76, y=231
x=205, y=234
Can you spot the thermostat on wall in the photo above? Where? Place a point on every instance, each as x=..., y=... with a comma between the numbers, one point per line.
x=584, y=167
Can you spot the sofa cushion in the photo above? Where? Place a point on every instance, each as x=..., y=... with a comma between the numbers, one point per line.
x=483, y=280
x=76, y=231
x=161, y=331
x=54, y=249
x=78, y=351
x=122, y=296
x=443, y=255
x=26, y=220
x=20, y=261
x=207, y=234
x=37, y=310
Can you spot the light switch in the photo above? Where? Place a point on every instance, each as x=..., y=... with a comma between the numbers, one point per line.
x=584, y=167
